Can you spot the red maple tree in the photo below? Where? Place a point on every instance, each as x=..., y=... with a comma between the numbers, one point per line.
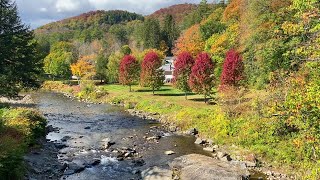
x=233, y=69
x=151, y=74
x=129, y=70
x=201, y=78
x=182, y=71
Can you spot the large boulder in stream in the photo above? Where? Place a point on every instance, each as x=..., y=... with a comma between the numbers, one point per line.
x=195, y=166
x=156, y=173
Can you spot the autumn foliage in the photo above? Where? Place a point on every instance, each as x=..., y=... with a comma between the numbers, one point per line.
x=84, y=67
x=151, y=75
x=182, y=71
x=201, y=78
x=233, y=69
x=190, y=41
x=129, y=70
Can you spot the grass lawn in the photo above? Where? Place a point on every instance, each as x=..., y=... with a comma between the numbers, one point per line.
x=166, y=94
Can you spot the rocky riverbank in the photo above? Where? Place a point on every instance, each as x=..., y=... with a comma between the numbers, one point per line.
x=248, y=162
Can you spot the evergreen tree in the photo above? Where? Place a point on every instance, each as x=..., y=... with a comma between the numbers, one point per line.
x=170, y=32
x=151, y=34
x=20, y=64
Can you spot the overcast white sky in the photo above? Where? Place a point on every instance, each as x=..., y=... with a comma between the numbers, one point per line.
x=39, y=12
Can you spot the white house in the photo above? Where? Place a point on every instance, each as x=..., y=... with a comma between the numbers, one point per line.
x=168, y=69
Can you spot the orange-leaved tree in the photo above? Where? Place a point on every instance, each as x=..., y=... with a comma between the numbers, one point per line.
x=190, y=41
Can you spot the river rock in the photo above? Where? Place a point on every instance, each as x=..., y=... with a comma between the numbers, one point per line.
x=106, y=143
x=210, y=149
x=138, y=162
x=221, y=154
x=250, y=164
x=60, y=145
x=169, y=152
x=226, y=158
x=87, y=127
x=154, y=138
x=210, y=142
x=199, y=141
x=94, y=162
x=195, y=166
x=74, y=168
x=65, y=138
x=156, y=173
x=172, y=128
x=192, y=131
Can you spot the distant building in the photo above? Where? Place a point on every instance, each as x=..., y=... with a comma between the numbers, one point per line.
x=168, y=69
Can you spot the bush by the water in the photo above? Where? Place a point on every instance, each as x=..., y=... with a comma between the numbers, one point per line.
x=19, y=129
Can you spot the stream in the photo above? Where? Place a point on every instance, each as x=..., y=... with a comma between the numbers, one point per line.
x=80, y=136
x=100, y=141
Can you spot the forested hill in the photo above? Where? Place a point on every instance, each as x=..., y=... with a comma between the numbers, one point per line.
x=179, y=12
x=85, y=27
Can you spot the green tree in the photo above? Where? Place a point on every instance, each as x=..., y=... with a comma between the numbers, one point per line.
x=126, y=50
x=151, y=34
x=170, y=32
x=119, y=32
x=113, y=67
x=202, y=12
x=101, y=67
x=58, y=62
x=20, y=64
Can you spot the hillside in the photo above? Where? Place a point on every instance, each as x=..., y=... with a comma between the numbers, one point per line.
x=178, y=12
x=87, y=26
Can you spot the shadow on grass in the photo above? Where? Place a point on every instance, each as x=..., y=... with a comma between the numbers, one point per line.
x=150, y=90
x=209, y=100
x=174, y=94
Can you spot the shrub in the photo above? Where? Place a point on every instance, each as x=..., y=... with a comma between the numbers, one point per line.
x=29, y=122
x=20, y=129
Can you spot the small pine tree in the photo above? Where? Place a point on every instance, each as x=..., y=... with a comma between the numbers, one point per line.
x=233, y=69
x=129, y=71
x=182, y=71
x=201, y=78
x=151, y=74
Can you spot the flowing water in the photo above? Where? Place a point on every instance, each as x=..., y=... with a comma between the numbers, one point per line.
x=84, y=130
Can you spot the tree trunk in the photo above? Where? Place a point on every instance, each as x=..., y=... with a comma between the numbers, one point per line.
x=186, y=95
x=205, y=98
x=153, y=90
x=129, y=88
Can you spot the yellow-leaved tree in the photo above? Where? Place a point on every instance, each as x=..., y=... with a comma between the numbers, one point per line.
x=84, y=68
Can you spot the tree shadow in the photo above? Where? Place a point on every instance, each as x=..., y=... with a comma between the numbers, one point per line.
x=209, y=100
x=175, y=94
x=150, y=90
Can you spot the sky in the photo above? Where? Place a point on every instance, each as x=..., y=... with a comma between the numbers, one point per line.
x=39, y=12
